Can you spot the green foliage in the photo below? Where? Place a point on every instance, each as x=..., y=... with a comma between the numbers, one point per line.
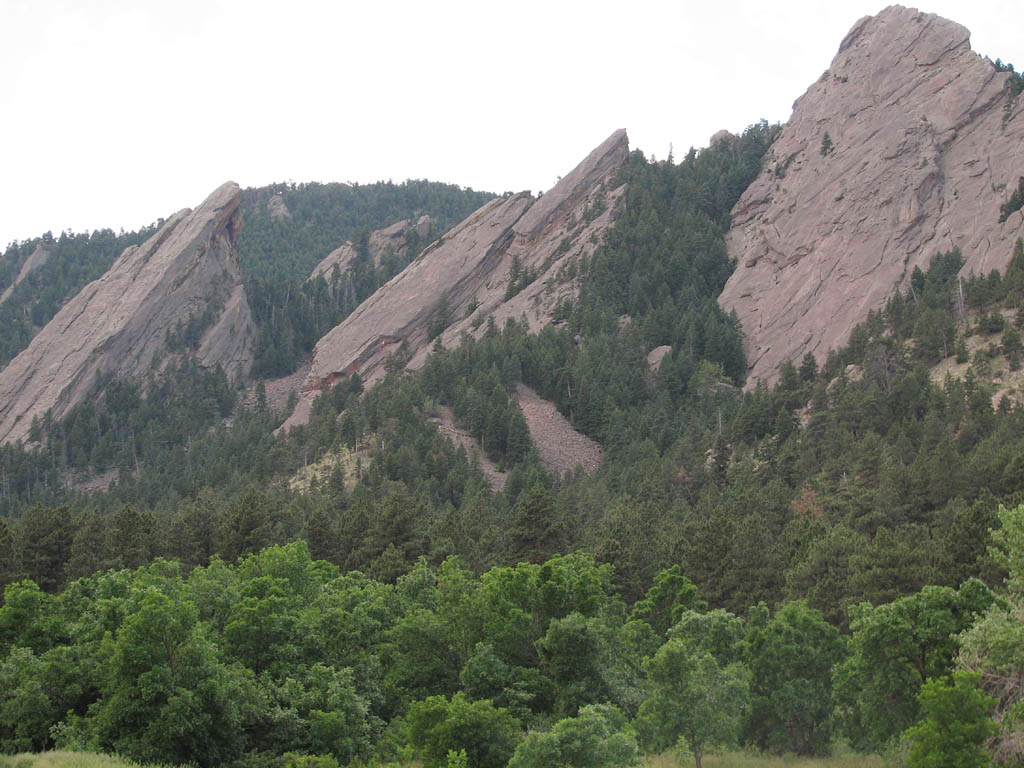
x=599, y=737
x=1009, y=550
x=955, y=724
x=168, y=697
x=836, y=487
x=1014, y=204
x=717, y=632
x=323, y=216
x=277, y=255
x=693, y=698
x=438, y=726
x=670, y=595
x=993, y=648
x=1016, y=81
x=791, y=660
x=895, y=648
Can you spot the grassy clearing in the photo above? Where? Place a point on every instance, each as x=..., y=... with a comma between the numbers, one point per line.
x=64, y=760
x=321, y=470
x=754, y=760
x=668, y=760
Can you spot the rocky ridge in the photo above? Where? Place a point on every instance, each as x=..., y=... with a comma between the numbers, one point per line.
x=463, y=279
x=906, y=146
x=120, y=323
x=394, y=240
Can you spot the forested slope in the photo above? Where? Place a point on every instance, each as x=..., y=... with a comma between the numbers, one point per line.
x=770, y=539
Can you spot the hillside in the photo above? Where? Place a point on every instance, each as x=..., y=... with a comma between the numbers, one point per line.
x=539, y=484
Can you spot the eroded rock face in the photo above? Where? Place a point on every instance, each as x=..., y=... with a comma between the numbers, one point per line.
x=119, y=323
x=277, y=210
x=394, y=240
x=924, y=143
x=463, y=278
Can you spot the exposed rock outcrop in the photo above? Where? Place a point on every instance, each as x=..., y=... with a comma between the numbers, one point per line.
x=656, y=355
x=394, y=240
x=36, y=259
x=119, y=324
x=277, y=210
x=464, y=278
x=906, y=146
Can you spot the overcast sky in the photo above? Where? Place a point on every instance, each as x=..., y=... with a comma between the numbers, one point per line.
x=117, y=112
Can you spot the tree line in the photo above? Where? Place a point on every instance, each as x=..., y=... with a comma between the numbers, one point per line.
x=278, y=655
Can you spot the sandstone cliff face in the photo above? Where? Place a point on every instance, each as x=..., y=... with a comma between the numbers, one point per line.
x=462, y=279
x=391, y=240
x=117, y=324
x=925, y=142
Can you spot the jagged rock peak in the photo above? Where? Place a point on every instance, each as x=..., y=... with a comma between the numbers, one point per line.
x=510, y=258
x=121, y=323
x=907, y=145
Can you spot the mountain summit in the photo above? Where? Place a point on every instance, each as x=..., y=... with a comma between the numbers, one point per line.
x=907, y=145
x=183, y=283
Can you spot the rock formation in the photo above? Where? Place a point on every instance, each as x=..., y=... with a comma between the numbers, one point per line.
x=277, y=210
x=906, y=146
x=463, y=279
x=36, y=259
x=119, y=323
x=394, y=240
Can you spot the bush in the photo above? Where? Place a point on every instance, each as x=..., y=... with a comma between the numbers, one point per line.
x=956, y=724
x=438, y=727
x=598, y=737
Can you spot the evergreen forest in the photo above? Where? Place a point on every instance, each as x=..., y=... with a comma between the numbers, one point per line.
x=836, y=559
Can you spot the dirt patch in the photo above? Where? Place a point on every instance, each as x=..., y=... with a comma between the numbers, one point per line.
x=561, y=447
x=445, y=422
x=1006, y=382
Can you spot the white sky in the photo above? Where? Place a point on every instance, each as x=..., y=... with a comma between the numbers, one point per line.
x=116, y=112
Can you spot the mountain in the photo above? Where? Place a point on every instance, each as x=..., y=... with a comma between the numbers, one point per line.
x=510, y=258
x=907, y=145
x=180, y=289
x=553, y=375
